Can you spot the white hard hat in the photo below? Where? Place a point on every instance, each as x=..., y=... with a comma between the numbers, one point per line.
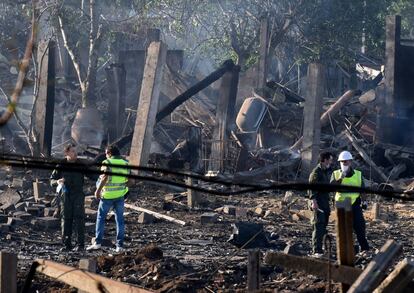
x=345, y=156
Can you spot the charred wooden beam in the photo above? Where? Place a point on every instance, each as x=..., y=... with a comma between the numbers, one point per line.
x=83, y=280
x=116, y=77
x=375, y=272
x=399, y=278
x=45, y=101
x=169, y=108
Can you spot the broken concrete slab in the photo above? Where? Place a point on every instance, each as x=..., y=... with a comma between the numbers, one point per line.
x=209, y=218
x=46, y=223
x=10, y=196
x=145, y=218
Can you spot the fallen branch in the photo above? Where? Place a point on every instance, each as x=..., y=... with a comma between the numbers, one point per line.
x=155, y=214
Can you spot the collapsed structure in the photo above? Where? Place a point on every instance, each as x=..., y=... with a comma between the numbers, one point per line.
x=225, y=125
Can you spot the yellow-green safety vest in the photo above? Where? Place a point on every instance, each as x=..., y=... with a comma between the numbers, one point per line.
x=355, y=180
x=116, y=185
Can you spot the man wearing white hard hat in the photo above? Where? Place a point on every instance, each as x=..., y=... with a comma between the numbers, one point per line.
x=351, y=177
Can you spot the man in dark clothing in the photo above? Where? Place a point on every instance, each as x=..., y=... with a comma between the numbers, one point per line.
x=73, y=200
x=320, y=202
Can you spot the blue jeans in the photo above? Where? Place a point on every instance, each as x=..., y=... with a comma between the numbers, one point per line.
x=103, y=209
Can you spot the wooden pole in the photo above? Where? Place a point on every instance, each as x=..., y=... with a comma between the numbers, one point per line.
x=155, y=214
x=399, y=278
x=192, y=195
x=344, y=239
x=8, y=272
x=263, y=58
x=375, y=272
x=253, y=271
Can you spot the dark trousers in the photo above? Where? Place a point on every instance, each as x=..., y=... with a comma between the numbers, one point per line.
x=320, y=222
x=73, y=214
x=359, y=225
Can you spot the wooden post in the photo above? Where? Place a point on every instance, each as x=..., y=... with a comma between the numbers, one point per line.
x=253, y=271
x=375, y=211
x=375, y=272
x=312, y=115
x=148, y=104
x=399, y=278
x=392, y=44
x=8, y=272
x=225, y=118
x=116, y=77
x=192, y=195
x=45, y=100
x=264, y=45
x=89, y=265
x=344, y=239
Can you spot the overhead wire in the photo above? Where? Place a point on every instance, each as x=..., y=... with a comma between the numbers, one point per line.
x=226, y=188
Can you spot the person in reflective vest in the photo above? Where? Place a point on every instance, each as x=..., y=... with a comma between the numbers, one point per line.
x=111, y=191
x=349, y=176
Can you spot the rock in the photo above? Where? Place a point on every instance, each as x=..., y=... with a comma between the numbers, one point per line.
x=295, y=217
x=229, y=210
x=46, y=223
x=241, y=213
x=145, y=218
x=219, y=210
x=259, y=211
x=209, y=218
x=267, y=214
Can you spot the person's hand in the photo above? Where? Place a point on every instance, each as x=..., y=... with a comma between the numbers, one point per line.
x=314, y=205
x=364, y=205
x=61, y=181
x=97, y=194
